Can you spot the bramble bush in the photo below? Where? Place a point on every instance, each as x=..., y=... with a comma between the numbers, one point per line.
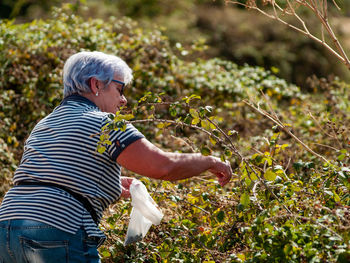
x=284, y=204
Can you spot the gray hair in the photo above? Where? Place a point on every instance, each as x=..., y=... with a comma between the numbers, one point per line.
x=82, y=66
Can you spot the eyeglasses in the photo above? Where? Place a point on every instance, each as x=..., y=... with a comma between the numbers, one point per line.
x=121, y=91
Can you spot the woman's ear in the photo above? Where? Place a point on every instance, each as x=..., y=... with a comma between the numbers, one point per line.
x=94, y=85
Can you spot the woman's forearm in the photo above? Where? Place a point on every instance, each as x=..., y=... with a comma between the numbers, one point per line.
x=185, y=165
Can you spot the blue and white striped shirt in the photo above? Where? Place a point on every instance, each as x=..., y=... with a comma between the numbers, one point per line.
x=61, y=150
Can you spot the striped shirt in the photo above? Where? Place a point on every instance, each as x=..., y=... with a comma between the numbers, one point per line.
x=61, y=150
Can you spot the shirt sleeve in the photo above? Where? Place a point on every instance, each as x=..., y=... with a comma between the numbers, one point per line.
x=122, y=139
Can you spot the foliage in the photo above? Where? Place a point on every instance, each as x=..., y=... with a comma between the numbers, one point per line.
x=283, y=215
x=283, y=205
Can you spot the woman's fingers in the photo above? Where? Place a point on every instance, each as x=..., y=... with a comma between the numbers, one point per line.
x=223, y=172
x=126, y=182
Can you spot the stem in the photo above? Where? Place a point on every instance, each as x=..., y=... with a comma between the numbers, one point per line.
x=179, y=123
x=226, y=136
x=284, y=128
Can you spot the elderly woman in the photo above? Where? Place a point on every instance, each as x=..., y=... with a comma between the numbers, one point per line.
x=62, y=185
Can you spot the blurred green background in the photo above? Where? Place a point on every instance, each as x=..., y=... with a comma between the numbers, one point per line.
x=228, y=32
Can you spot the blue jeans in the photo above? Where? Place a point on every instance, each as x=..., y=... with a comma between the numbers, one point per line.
x=31, y=241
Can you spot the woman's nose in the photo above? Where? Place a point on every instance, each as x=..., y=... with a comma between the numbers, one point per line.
x=123, y=100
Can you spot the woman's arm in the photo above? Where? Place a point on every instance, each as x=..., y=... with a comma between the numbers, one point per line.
x=144, y=158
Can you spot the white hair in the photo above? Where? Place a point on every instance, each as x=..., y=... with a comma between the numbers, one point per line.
x=82, y=66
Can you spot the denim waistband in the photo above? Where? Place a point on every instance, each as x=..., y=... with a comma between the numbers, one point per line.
x=24, y=223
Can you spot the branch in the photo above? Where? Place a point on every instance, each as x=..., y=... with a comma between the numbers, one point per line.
x=284, y=128
x=227, y=138
x=193, y=127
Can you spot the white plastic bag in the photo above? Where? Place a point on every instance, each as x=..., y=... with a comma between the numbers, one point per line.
x=143, y=214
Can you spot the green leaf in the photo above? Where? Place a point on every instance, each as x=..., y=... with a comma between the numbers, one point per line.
x=204, y=124
x=341, y=157
x=223, y=158
x=194, y=113
x=205, y=151
x=201, y=111
x=101, y=149
x=160, y=125
x=123, y=128
x=287, y=249
x=128, y=117
x=283, y=146
x=187, y=120
x=212, y=140
x=220, y=216
x=173, y=111
x=268, y=160
x=195, y=121
x=253, y=176
x=106, y=253
x=270, y=175
x=194, y=96
x=245, y=200
x=336, y=197
x=343, y=151
x=228, y=153
x=275, y=70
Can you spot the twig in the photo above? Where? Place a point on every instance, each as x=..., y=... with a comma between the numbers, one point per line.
x=184, y=141
x=255, y=197
x=226, y=136
x=327, y=146
x=179, y=124
x=285, y=170
x=336, y=5
x=319, y=126
x=284, y=128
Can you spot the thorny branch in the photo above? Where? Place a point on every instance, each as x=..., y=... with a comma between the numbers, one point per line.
x=273, y=117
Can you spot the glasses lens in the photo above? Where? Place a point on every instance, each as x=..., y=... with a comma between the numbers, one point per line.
x=121, y=91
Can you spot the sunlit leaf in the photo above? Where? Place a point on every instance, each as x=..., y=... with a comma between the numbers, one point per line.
x=101, y=149
x=212, y=140
x=195, y=121
x=160, y=125
x=270, y=175
x=245, y=199
x=204, y=124
x=194, y=113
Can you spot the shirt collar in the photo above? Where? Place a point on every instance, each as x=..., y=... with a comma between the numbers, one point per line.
x=78, y=98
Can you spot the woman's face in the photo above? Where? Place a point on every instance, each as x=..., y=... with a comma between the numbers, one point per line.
x=109, y=98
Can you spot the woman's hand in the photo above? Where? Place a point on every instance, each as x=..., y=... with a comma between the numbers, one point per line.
x=222, y=170
x=126, y=182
